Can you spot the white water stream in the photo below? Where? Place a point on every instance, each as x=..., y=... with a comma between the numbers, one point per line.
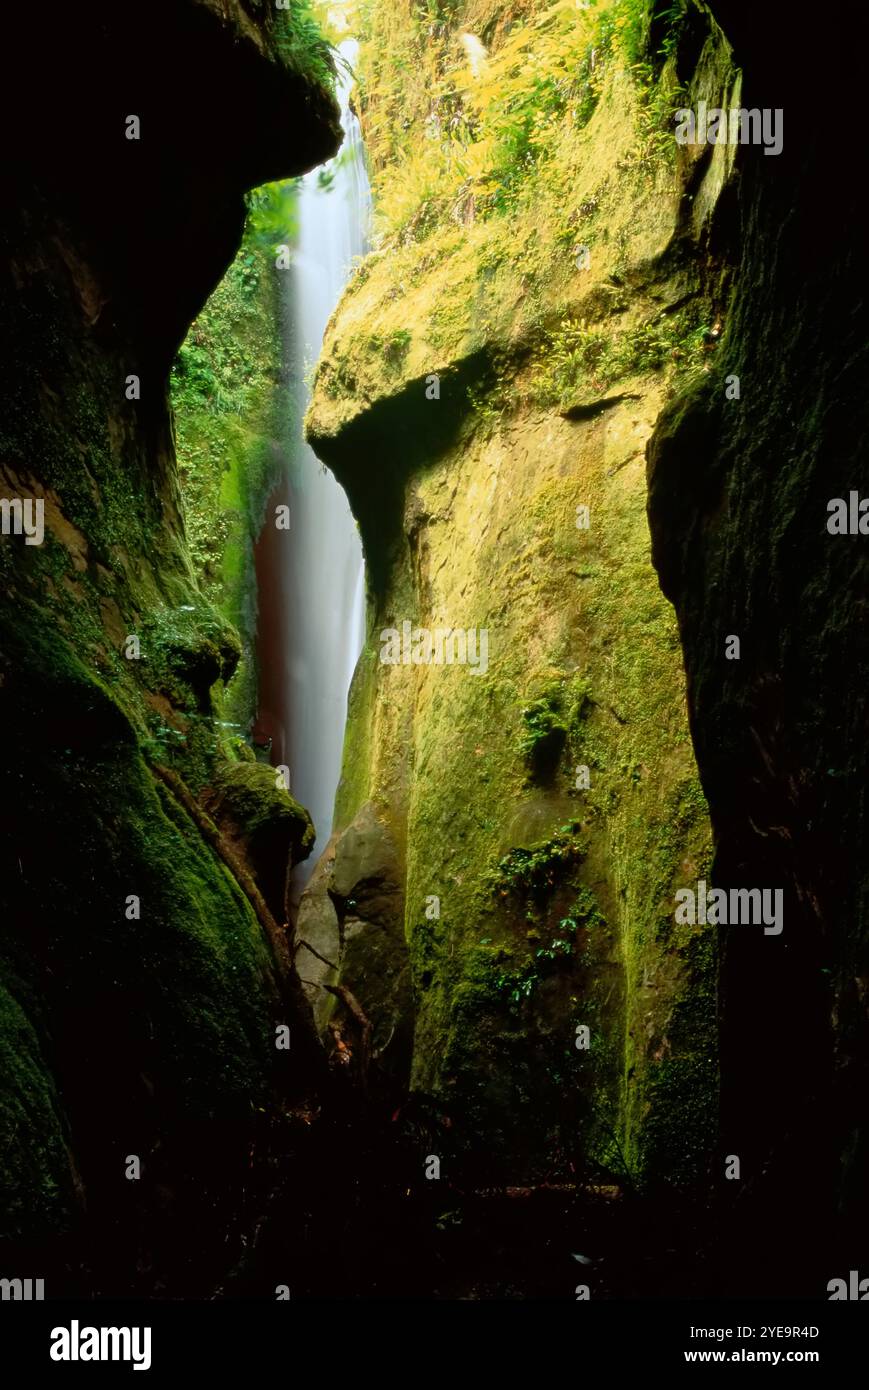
x=324, y=578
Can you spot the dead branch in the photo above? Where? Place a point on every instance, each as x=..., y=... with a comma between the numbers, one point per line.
x=315, y=952
x=356, y=1011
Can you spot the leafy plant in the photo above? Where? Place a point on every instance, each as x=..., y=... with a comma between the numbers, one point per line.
x=272, y=215
x=572, y=354
x=584, y=914
x=576, y=356
x=396, y=347
x=543, y=738
x=300, y=42
x=550, y=721
x=535, y=872
x=672, y=22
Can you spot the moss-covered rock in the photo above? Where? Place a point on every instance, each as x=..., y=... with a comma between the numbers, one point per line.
x=37, y=1180
x=233, y=414
x=273, y=831
x=547, y=804
x=142, y=978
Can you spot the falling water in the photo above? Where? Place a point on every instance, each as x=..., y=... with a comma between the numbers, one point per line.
x=323, y=567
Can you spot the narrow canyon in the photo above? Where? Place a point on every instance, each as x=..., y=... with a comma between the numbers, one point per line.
x=434, y=451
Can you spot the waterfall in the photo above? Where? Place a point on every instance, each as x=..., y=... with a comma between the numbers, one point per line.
x=323, y=568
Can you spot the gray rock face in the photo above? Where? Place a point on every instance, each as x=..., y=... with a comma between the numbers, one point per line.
x=352, y=913
x=317, y=926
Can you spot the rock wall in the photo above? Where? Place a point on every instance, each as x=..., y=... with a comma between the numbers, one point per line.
x=143, y=969
x=485, y=394
x=738, y=506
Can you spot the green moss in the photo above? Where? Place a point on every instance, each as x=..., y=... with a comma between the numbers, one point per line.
x=563, y=370
x=487, y=137
x=679, y=1137
x=506, y=289
x=181, y=993
x=139, y=991
x=519, y=982
x=574, y=352
x=393, y=348
x=36, y=1185
x=551, y=722
x=233, y=418
x=533, y=873
x=250, y=794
